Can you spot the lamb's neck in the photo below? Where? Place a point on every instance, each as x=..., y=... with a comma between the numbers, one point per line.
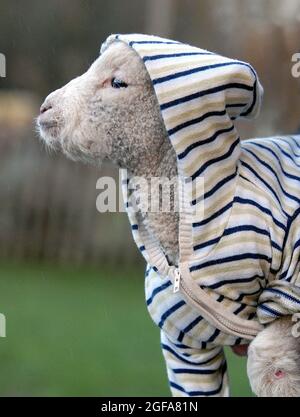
x=159, y=163
x=163, y=225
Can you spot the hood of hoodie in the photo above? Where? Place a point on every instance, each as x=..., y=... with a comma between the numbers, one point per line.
x=200, y=94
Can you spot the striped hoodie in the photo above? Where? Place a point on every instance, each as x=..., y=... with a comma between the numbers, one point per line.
x=239, y=260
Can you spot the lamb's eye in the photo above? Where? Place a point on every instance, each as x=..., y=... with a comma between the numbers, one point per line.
x=116, y=83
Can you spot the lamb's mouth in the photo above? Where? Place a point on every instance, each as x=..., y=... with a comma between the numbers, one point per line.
x=49, y=131
x=45, y=123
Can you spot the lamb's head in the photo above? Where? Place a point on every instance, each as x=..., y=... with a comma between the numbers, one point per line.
x=110, y=112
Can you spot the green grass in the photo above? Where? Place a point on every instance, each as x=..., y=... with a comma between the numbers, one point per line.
x=82, y=332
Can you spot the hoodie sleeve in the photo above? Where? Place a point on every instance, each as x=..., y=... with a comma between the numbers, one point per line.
x=279, y=299
x=282, y=296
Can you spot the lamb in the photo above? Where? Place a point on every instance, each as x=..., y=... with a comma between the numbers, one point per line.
x=117, y=111
x=111, y=113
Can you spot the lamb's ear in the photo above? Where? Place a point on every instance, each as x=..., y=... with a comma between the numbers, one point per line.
x=243, y=98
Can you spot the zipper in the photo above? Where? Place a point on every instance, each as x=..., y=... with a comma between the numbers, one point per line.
x=220, y=321
x=177, y=279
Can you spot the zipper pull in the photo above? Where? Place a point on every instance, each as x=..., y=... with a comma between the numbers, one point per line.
x=177, y=278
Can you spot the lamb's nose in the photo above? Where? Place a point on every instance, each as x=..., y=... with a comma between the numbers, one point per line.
x=45, y=107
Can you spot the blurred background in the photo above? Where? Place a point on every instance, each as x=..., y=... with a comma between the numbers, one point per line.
x=71, y=279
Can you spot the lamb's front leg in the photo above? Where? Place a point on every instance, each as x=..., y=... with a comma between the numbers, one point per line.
x=274, y=360
x=195, y=372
